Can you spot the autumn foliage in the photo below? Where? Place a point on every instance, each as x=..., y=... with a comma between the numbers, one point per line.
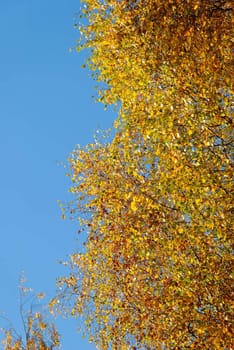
x=156, y=200
x=39, y=333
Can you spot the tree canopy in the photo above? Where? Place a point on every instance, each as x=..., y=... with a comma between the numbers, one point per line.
x=156, y=200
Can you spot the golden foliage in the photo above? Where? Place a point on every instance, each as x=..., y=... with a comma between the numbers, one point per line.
x=39, y=334
x=157, y=200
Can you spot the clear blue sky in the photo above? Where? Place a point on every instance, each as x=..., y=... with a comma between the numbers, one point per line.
x=46, y=108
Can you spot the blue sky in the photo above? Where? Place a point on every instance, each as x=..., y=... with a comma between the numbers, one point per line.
x=46, y=108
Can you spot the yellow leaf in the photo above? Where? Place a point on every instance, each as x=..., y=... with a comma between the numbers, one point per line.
x=134, y=204
x=190, y=132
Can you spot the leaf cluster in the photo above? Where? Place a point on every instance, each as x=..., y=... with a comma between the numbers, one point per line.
x=39, y=332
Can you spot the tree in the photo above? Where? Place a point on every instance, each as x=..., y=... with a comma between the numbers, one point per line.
x=39, y=333
x=156, y=201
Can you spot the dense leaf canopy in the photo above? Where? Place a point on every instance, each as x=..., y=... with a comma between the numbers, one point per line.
x=156, y=201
